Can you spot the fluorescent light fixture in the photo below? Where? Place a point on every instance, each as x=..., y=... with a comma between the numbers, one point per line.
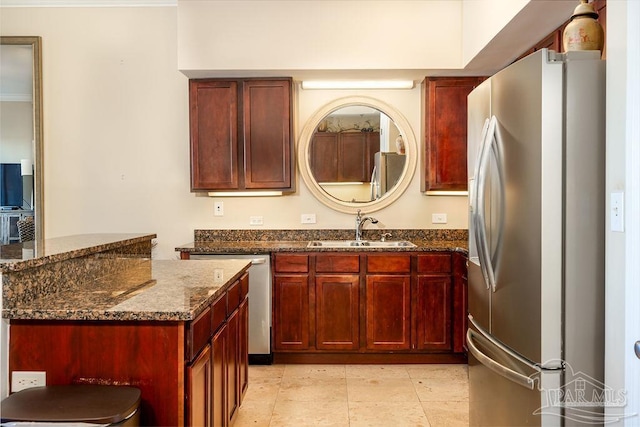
x=357, y=84
x=245, y=193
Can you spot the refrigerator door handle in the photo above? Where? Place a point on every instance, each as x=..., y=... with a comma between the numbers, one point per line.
x=478, y=226
x=501, y=370
x=479, y=205
x=490, y=147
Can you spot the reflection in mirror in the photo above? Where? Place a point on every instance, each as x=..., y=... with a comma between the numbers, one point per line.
x=21, y=139
x=357, y=153
x=354, y=155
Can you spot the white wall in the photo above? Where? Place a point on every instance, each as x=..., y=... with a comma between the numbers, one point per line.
x=622, y=271
x=482, y=20
x=329, y=35
x=116, y=136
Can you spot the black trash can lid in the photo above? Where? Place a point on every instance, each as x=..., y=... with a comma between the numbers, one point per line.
x=100, y=404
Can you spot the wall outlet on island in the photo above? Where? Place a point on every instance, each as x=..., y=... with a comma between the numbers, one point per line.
x=21, y=380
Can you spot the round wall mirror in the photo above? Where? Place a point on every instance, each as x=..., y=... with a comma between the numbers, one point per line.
x=357, y=153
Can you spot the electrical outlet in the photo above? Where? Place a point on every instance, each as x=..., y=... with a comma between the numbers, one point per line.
x=218, y=208
x=218, y=274
x=256, y=220
x=308, y=219
x=439, y=218
x=27, y=379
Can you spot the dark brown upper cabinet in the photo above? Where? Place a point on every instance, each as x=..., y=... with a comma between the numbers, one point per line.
x=444, y=165
x=241, y=134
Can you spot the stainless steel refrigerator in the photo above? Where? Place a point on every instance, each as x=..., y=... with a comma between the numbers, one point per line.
x=386, y=172
x=536, y=155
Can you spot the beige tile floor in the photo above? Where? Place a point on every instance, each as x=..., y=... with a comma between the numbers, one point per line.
x=356, y=395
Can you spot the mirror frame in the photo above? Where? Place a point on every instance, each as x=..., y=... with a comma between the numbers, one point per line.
x=391, y=196
x=38, y=156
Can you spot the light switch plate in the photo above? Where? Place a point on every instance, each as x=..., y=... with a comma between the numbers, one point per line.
x=617, y=212
x=218, y=208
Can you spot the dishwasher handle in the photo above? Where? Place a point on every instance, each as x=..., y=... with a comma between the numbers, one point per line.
x=256, y=261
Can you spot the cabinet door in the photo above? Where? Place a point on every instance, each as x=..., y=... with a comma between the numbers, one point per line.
x=460, y=295
x=445, y=165
x=213, y=119
x=291, y=312
x=323, y=158
x=388, y=318
x=433, y=316
x=199, y=390
x=337, y=312
x=267, y=133
x=219, y=378
x=243, y=345
x=355, y=156
x=233, y=364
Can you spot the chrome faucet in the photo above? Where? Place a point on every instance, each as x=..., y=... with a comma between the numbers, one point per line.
x=360, y=221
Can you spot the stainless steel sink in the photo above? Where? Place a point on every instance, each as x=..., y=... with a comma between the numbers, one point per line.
x=360, y=244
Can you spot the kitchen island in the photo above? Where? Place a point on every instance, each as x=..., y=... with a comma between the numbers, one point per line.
x=105, y=313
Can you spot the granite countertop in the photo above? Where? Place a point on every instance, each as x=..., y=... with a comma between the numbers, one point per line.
x=149, y=290
x=257, y=247
x=19, y=256
x=269, y=241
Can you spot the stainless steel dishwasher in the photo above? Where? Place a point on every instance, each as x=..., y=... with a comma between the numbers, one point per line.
x=259, y=304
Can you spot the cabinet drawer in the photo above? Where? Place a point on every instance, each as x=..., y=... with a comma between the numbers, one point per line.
x=434, y=263
x=292, y=263
x=388, y=263
x=233, y=297
x=198, y=333
x=219, y=315
x=337, y=263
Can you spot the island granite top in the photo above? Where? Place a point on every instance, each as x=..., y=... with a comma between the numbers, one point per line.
x=19, y=256
x=168, y=290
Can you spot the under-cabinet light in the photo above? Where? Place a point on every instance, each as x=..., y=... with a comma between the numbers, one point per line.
x=446, y=193
x=244, y=193
x=357, y=84
x=336, y=184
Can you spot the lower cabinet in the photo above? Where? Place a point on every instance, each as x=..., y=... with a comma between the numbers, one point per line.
x=336, y=312
x=361, y=304
x=388, y=307
x=218, y=376
x=199, y=376
x=291, y=313
x=388, y=301
x=219, y=344
x=190, y=373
